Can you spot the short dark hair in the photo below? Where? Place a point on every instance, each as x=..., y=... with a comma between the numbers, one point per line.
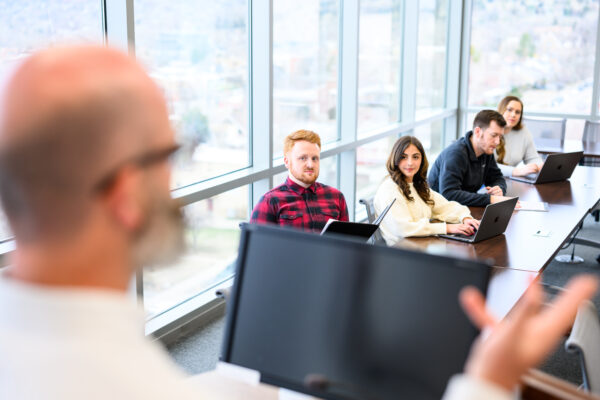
x=484, y=118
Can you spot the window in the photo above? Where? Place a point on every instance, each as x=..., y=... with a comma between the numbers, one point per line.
x=541, y=51
x=5, y=232
x=370, y=167
x=212, y=237
x=30, y=25
x=380, y=45
x=431, y=137
x=431, y=58
x=198, y=52
x=305, y=69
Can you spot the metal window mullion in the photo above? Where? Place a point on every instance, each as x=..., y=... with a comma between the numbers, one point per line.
x=348, y=97
x=120, y=24
x=453, y=56
x=596, y=80
x=261, y=92
x=465, y=58
x=410, y=41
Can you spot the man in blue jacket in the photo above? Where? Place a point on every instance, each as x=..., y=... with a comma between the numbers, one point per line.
x=467, y=164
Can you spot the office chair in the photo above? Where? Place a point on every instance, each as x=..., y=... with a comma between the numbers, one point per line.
x=584, y=341
x=368, y=203
x=591, y=131
x=546, y=128
x=591, y=134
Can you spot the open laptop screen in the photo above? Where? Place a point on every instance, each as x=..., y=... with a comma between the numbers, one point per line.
x=373, y=322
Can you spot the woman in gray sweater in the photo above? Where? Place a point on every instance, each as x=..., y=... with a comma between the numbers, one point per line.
x=516, y=154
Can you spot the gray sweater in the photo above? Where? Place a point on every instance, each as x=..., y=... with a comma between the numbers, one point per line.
x=519, y=147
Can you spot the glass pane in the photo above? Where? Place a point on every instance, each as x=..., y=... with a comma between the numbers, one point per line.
x=432, y=137
x=370, y=168
x=431, y=56
x=380, y=45
x=28, y=26
x=305, y=68
x=198, y=52
x=212, y=237
x=328, y=173
x=542, y=52
x=5, y=232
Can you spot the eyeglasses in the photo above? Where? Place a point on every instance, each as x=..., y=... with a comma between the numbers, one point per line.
x=145, y=160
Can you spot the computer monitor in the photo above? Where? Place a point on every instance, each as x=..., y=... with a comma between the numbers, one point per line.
x=340, y=319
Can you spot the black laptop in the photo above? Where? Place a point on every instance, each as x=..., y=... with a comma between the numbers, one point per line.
x=493, y=223
x=357, y=229
x=340, y=319
x=557, y=167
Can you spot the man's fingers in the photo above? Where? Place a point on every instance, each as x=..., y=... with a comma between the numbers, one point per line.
x=528, y=305
x=557, y=318
x=473, y=303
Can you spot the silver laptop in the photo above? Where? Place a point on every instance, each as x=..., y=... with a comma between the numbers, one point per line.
x=493, y=223
x=557, y=167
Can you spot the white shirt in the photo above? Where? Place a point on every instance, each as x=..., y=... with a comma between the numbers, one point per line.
x=80, y=344
x=519, y=147
x=412, y=218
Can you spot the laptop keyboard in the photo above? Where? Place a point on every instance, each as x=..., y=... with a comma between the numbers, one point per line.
x=460, y=235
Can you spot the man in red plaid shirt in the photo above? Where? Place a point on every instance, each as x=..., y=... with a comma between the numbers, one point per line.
x=301, y=201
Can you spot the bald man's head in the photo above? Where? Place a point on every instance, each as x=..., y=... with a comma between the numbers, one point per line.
x=70, y=116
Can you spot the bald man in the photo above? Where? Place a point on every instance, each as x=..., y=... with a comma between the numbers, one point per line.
x=84, y=181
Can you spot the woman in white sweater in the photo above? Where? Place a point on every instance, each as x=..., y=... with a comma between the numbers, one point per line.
x=516, y=146
x=416, y=204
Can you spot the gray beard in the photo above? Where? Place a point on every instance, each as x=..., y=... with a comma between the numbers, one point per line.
x=161, y=240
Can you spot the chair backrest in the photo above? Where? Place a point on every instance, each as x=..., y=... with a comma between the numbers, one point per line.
x=546, y=128
x=591, y=131
x=584, y=340
x=371, y=216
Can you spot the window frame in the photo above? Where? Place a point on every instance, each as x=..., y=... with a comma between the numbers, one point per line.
x=118, y=24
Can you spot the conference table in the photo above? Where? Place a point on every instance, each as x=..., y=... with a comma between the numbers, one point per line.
x=550, y=146
x=532, y=238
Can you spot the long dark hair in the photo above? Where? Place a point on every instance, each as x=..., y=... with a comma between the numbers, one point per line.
x=420, y=178
x=500, y=150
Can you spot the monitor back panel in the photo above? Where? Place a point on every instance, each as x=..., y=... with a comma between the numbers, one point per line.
x=384, y=321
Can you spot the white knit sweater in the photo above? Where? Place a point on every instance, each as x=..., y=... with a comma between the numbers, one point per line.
x=412, y=218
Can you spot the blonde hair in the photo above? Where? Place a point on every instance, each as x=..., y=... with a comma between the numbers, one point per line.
x=300, y=135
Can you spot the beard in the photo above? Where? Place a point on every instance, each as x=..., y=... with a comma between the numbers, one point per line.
x=309, y=180
x=160, y=241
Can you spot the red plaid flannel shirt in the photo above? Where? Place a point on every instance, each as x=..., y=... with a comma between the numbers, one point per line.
x=289, y=204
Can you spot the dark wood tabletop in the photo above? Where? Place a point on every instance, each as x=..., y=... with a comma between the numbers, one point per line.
x=521, y=247
x=550, y=146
